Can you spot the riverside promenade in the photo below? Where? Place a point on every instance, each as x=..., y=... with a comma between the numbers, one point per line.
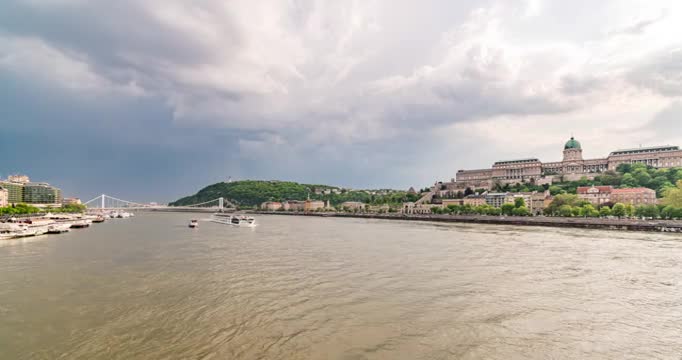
x=574, y=222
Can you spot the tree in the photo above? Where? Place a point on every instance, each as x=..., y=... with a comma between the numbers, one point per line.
x=629, y=210
x=673, y=196
x=507, y=209
x=619, y=210
x=468, y=191
x=589, y=211
x=556, y=190
x=668, y=212
x=560, y=200
x=605, y=211
x=647, y=211
x=521, y=211
x=519, y=202
x=643, y=178
x=576, y=210
x=629, y=181
x=566, y=210
x=624, y=168
x=609, y=178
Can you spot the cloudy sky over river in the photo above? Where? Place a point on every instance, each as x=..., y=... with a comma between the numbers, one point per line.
x=150, y=100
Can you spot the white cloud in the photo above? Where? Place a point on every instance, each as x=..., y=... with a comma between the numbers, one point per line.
x=357, y=72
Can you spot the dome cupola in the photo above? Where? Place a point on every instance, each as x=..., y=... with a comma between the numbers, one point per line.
x=572, y=144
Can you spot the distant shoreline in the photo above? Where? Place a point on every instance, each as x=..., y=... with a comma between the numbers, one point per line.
x=674, y=226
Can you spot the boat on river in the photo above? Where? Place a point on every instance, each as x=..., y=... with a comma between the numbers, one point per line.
x=81, y=223
x=98, y=219
x=234, y=220
x=194, y=223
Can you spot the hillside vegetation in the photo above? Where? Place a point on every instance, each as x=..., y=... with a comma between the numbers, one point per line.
x=254, y=192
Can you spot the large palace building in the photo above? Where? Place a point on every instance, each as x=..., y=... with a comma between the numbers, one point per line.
x=572, y=167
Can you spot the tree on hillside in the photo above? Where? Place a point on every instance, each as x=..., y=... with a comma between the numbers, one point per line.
x=624, y=168
x=609, y=178
x=628, y=181
x=673, y=196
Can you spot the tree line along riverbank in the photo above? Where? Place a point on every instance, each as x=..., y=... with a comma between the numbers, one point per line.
x=674, y=226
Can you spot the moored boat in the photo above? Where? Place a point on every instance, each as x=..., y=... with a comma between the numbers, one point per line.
x=59, y=228
x=80, y=224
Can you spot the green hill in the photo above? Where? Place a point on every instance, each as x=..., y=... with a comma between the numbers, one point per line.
x=254, y=192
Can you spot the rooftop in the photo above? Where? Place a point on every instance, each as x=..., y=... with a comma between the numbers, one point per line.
x=584, y=189
x=631, y=190
x=646, y=149
x=516, y=161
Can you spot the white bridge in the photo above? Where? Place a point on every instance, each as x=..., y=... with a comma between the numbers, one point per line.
x=106, y=202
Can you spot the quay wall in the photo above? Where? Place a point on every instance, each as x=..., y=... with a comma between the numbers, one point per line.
x=589, y=223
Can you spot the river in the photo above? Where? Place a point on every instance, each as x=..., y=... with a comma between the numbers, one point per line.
x=329, y=288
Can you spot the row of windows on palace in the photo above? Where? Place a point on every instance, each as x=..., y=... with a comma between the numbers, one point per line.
x=516, y=172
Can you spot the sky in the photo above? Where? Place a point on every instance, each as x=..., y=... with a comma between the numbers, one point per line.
x=152, y=100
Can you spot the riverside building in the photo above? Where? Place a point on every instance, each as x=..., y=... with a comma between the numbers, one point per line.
x=634, y=196
x=4, y=195
x=42, y=193
x=596, y=195
x=571, y=167
x=21, y=190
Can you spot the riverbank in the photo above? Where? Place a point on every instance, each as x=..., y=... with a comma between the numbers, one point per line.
x=587, y=223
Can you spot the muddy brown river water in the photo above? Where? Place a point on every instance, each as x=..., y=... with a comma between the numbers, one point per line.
x=329, y=288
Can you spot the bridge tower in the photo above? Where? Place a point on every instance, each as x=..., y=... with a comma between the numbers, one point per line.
x=220, y=204
x=103, y=198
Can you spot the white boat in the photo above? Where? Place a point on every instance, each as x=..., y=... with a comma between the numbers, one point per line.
x=194, y=223
x=234, y=220
x=26, y=231
x=80, y=223
x=12, y=230
x=36, y=230
x=58, y=228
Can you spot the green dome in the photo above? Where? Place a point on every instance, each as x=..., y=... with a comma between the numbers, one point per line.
x=572, y=144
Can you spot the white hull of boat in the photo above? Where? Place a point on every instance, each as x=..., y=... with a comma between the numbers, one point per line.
x=234, y=221
x=59, y=228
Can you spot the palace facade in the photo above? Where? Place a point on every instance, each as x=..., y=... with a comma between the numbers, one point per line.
x=572, y=167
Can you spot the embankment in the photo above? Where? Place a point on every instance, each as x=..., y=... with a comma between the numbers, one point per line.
x=589, y=223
